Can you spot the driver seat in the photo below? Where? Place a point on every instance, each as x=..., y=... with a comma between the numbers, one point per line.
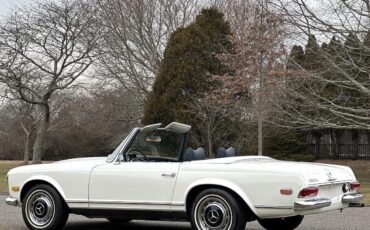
x=194, y=155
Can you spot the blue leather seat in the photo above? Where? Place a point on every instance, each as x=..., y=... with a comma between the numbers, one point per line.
x=194, y=155
x=222, y=152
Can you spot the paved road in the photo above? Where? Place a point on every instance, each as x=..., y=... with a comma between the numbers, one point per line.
x=350, y=219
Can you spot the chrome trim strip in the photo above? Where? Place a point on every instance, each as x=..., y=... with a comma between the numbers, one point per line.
x=77, y=201
x=124, y=202
x=311, y=203
x=273, y=207
x=329, y=183
x=11, y=201
x=129, y=202
x=177, y=204
x=135, y=202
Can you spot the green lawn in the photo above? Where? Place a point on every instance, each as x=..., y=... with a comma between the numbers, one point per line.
x=360, y=168
x=5, y=166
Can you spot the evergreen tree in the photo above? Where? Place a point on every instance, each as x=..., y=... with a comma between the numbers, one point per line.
x=296, y=58
x=189, y=60
x=354, y=65
x=287, y=145
x=334, y=51
x=324, y=47
x=312, y=54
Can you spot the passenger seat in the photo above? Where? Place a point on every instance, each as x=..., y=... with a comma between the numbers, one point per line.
x=222, y=152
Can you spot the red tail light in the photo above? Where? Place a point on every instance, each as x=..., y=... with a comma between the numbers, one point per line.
x=355, y=186
x=308, y=192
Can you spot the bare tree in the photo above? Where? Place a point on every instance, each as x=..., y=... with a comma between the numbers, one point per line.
x=45, y=48
x=336, y=93
x=257, y=57
x=25, y=115
x=137, y=32
x=211, y=119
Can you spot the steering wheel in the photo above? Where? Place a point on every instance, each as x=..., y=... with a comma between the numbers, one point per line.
x=133, y=156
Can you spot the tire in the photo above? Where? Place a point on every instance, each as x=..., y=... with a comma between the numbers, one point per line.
x=44, y=209
x=117, y=220
x=217, y=209
x=287, y=223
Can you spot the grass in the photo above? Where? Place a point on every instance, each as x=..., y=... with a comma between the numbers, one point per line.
x=5, y=166
x=362, y=172
x=360, y=168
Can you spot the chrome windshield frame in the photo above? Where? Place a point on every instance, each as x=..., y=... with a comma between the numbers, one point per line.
x=123, y=145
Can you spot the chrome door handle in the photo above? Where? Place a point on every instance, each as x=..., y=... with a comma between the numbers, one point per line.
x=169, y=174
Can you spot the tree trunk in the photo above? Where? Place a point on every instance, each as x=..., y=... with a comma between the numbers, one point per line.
x=355, y=143
x=338, y=134
x=27, y=144
x=209, y=140
x=331, y=138
x=260, y=108
x=317, y=136
x=38, y=147
x=27, y=149
x=260, y=136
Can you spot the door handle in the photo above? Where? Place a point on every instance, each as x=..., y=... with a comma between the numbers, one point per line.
x=169, y=174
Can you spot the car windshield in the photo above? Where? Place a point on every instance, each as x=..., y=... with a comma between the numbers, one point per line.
x=159, y=143
x=119, y=148
x=113, y=155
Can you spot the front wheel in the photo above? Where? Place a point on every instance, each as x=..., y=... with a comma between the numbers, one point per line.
x=44, y=209
x=217, y=209
x=287, y=223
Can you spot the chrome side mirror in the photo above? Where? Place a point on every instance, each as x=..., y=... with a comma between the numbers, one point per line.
x=119, y=159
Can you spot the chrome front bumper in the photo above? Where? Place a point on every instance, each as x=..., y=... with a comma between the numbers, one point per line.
x=353, y=199
x=11, y=201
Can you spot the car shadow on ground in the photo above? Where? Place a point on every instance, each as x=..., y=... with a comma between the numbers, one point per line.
x=129, y=226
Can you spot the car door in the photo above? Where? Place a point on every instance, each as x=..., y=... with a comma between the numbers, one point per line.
x=145, y=182
x=133, y=185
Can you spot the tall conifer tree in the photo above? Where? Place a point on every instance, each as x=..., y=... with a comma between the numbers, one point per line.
x=189, y=60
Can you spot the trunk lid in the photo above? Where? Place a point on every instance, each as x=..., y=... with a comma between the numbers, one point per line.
x=311, y=173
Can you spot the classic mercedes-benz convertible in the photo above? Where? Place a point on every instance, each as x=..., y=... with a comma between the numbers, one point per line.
x=155, y=174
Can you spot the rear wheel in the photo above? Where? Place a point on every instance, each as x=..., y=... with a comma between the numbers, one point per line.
x=43, y=208
x=217, y=209
x=287, y=223
x=118, y=220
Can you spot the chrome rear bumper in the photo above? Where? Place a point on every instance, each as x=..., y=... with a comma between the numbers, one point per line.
x=353, y=199
x=11, y=201
x=312, y=203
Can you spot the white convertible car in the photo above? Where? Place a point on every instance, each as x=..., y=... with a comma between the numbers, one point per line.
x=154, y=174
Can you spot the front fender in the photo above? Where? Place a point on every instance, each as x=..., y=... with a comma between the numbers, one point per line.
x=42, y=178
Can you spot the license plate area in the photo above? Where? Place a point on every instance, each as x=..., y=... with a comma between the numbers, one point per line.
x=332, y=191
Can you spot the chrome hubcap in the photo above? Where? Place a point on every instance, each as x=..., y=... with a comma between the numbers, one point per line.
x=213, y=213
x=40, y=209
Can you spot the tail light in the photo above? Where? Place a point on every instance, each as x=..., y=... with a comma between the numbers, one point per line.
x=308, y=192
x=355, y=186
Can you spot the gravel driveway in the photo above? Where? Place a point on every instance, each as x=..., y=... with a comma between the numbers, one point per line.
x=353, y=218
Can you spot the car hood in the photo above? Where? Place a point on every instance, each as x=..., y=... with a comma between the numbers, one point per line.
x=312, y=173
x=64, y=165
